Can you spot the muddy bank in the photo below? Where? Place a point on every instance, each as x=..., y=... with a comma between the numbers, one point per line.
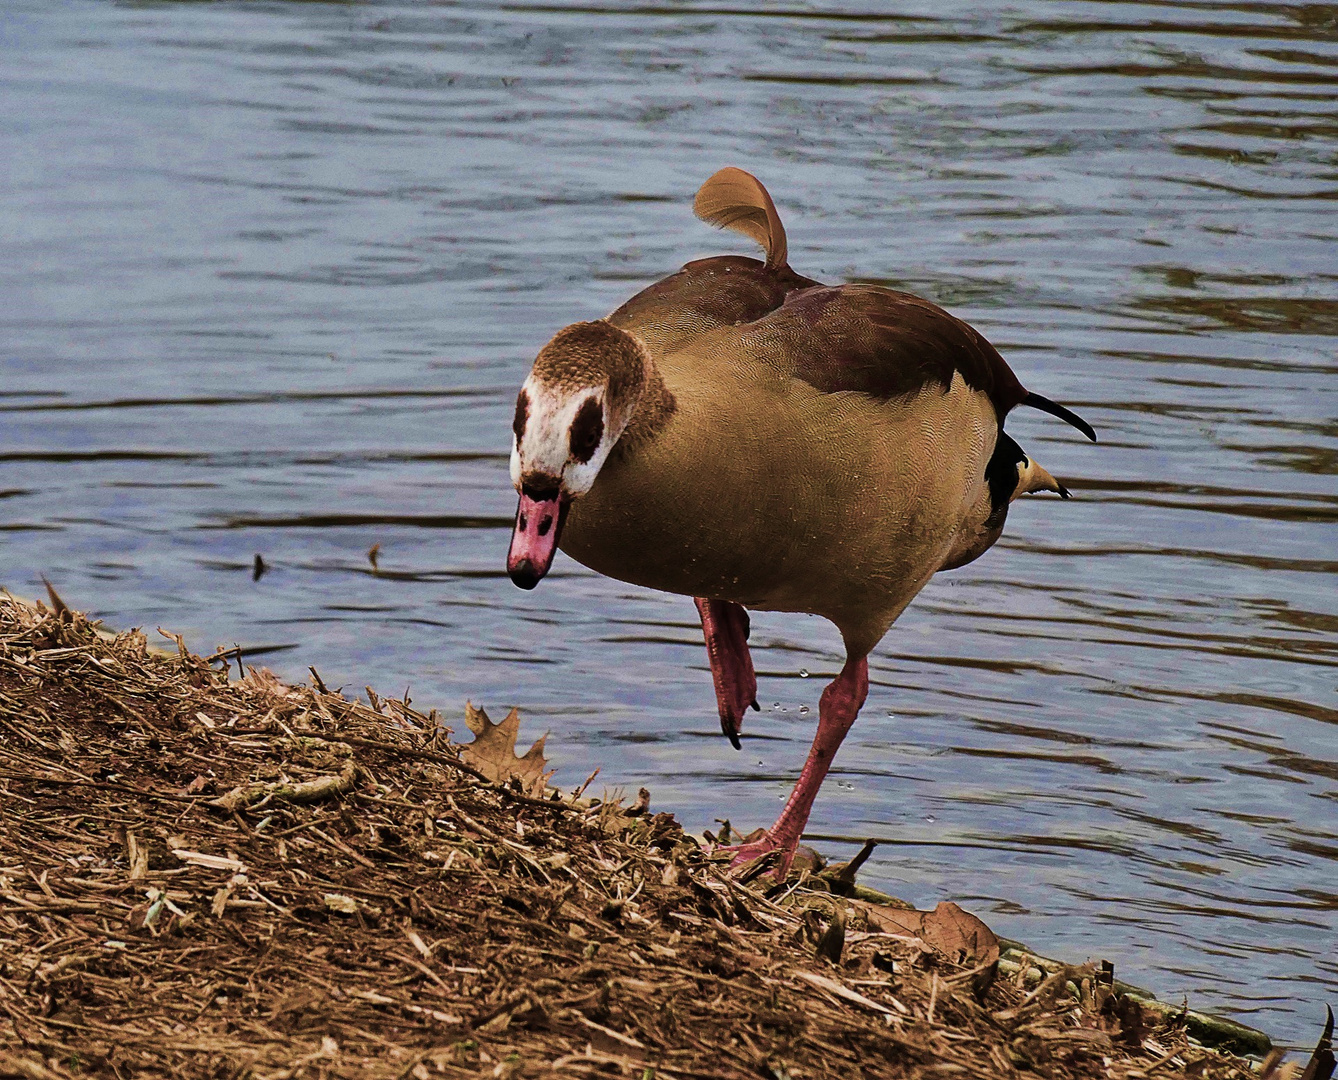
x=205, y=876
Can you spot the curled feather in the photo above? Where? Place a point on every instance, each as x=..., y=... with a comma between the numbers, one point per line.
x=734, y=199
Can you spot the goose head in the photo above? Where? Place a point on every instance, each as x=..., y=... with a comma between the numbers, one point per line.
x=570, y=412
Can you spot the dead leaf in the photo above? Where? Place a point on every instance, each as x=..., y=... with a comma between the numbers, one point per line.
x=959, y=935
x=220, y=901
x=889, y=920
x=948, y=930
x=493, y=752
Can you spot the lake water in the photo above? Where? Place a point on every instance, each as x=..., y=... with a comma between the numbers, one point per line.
x=272, y=272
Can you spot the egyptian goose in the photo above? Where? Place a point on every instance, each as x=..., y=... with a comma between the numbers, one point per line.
x=752, y=438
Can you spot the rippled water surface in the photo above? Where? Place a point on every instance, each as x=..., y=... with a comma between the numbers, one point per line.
x=271, y=273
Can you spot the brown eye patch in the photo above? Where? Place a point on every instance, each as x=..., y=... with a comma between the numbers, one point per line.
x=586, y=430
x=522, y=415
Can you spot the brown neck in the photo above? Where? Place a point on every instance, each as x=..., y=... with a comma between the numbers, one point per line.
x=653, y=408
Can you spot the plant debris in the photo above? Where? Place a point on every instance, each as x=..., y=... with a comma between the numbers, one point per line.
x=211, y=878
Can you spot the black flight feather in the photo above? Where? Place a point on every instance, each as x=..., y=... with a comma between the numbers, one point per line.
x=1068, y=416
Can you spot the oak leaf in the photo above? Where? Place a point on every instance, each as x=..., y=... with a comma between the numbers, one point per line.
x=493, y=752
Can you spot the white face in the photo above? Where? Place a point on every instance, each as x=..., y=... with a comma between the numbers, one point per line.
x=567, y=435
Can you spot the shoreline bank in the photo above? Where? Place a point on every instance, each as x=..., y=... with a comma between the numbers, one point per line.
x=202, y=875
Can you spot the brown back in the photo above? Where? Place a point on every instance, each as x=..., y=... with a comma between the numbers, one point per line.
x=703, y=296
x=848, y=337
x=879, y=342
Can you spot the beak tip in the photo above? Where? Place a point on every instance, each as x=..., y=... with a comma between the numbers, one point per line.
x=524, y=575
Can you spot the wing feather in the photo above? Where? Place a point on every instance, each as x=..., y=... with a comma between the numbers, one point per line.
x=881, y=342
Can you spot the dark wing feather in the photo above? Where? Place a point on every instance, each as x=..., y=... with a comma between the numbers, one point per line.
x=881, y=342
x=1067, y=415
x=705, y=295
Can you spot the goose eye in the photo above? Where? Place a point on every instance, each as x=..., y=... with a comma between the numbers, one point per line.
x=522, y=415
x=587, y=430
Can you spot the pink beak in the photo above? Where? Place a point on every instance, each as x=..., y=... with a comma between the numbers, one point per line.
x=535, y=539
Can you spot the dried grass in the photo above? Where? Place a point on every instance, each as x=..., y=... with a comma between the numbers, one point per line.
x=205, y=878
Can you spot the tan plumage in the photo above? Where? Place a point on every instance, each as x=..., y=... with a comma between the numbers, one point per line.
x=835, y=504
x=769, y=442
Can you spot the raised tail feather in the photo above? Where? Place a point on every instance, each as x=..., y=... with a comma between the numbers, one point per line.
x=734, y=199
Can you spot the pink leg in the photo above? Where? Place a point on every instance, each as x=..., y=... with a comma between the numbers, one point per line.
x=726, y=628
x=840, y=704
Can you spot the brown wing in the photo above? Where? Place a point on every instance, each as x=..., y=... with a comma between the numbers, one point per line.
x=880, y=342
x=705, y=295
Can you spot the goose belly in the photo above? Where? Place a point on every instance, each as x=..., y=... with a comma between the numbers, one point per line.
x=835, y=504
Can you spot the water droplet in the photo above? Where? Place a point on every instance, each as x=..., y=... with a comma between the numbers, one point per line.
x=775, y=704
x=929, y=817
x=803, y=673
x=891, y=713
x=803, y=710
